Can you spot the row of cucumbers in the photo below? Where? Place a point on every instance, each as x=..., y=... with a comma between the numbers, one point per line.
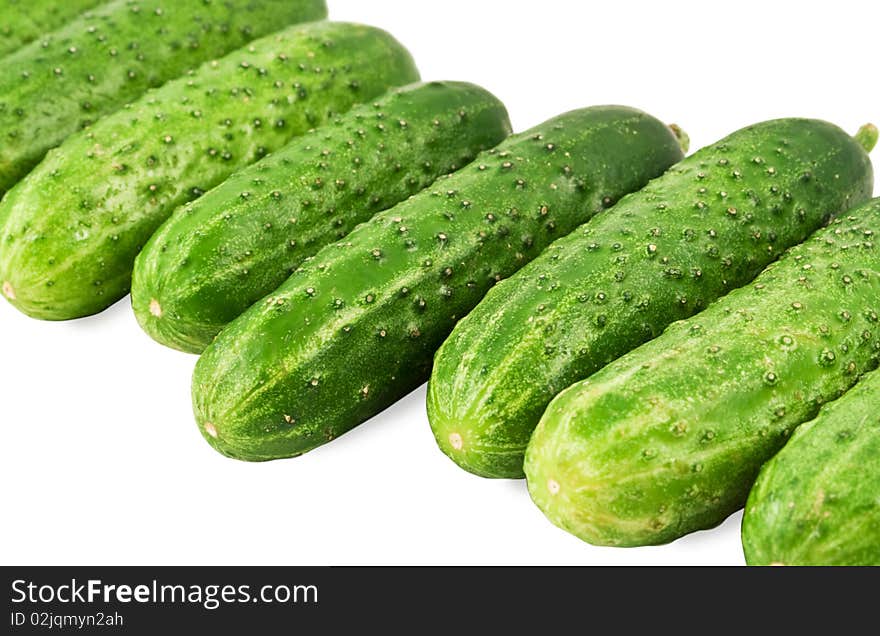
x=318, y=225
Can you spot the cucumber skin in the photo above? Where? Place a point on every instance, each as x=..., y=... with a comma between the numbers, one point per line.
x=295, y=371
x=26, y=20
x=817, y=502
x=490, y=387
x=48, y=93
x=194, y=266
x=669, y=438
x=79, y=219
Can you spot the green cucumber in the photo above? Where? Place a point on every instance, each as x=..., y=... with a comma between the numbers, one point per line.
x=70, y=231
x=817, y=502
x=216, y=257
x=111, y=55
x=25, y=20
x=669, y=438
x=355, y=327
x=707, y=226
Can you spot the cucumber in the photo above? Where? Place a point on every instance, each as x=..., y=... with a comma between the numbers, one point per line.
x=111, y=55
x=669, y=438
x=216, y=257
x=707, y=226
x=355, y=327
x=71, y=229
x=817, y=502
x=25, y=20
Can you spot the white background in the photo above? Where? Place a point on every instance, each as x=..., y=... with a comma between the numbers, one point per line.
x=101, y=460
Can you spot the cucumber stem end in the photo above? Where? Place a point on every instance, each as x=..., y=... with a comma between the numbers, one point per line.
x=867, y=137
x=683, y=140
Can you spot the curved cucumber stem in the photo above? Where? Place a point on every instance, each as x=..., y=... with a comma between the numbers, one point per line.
x=683, y=140
x=867, y=137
